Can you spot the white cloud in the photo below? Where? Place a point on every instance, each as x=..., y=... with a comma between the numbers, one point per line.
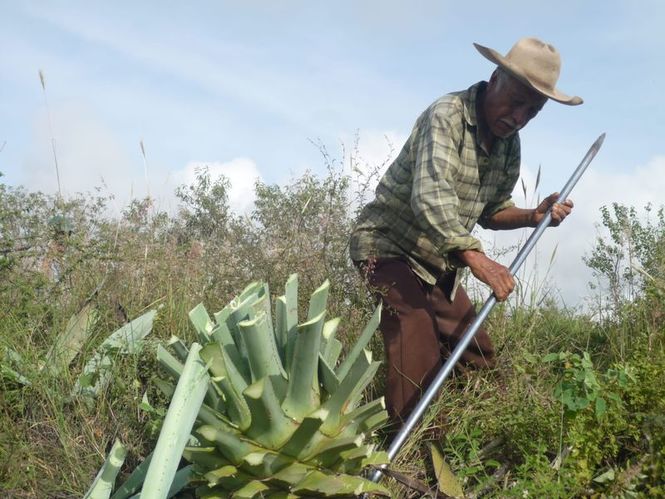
x=89, y=155
x=577, y=235
x=242, y=174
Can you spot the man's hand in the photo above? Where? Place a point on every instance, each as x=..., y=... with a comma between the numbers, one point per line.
x=495, y=275
x=559, y=210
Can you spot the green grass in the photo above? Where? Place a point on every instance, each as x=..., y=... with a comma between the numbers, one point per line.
x=504, y=432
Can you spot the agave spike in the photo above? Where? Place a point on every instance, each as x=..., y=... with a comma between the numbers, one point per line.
x=361, y=343
x=302, y=396
x=270, y=426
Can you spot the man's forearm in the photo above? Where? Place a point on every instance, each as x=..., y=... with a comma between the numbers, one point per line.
x=511, y=218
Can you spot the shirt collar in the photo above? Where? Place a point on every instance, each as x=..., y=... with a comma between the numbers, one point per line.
x=469, y=98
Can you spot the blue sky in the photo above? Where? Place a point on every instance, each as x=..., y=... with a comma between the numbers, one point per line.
x=246, y=86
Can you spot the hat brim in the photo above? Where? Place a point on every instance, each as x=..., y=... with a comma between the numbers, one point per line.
x=501, y=61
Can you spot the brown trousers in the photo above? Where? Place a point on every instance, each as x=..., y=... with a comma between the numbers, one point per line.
x=420, y=325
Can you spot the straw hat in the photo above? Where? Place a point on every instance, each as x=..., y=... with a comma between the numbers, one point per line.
x=535, y=63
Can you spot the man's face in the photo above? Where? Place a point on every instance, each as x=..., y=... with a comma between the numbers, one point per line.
x=510, y=104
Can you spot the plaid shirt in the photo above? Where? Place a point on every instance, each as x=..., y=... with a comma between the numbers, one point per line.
x=439, y=186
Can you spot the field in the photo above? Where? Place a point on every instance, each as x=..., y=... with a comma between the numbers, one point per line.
x=576, y=406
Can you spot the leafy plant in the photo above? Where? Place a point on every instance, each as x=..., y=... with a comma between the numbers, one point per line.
x=275, y=411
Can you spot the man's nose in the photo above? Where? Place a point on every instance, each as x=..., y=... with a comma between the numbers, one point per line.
x=520, y=116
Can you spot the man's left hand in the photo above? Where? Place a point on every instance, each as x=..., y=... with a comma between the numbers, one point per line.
x=559, y=210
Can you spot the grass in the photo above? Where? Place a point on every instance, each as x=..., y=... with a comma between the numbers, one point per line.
x=505, y=432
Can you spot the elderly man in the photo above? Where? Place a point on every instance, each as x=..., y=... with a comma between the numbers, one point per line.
x=458, y=168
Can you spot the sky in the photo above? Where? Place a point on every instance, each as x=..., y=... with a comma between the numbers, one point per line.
x=249, y=88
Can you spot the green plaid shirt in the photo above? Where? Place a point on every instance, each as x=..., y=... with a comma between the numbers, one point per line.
x=441, y=185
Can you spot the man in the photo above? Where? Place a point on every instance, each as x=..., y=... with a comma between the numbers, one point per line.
x=458, y=167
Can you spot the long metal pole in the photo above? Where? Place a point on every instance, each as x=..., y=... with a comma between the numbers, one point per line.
x=447, y=368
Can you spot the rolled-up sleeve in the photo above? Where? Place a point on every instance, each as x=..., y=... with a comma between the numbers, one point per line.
x=433, y=198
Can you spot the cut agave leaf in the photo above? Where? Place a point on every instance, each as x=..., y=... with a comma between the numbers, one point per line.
x=180, y=417
x=102, y=486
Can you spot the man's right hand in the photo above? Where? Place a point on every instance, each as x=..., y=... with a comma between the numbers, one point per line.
x=495, y=275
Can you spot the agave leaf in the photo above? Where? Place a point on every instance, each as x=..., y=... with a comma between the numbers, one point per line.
x=183, y=410
x=327, y=375
x=448, y=482
x=202, y=323
x=362, y=342
x=319, y=484
x=228, y=477
x=134, y=481
x=262, y=305
x=291, y=300
x=291, y=475
x=204, y=492
x=302, y=396
x=252, y=489
x=205, y=457
x=333, y=350
x=304, y=437
x=102, y=485
x=281, y=329
x=374, y=422
x=329, y=453
x=179, y=348
x=230, y=444
x=350, y=388
x=12, y=358
x=328, y=338
x=171, y=365
x=236, y=406
x=264, y=359
x=270, y=426
x=318, y=301
x=265, y=464
x=69, y=343
x=96, y=374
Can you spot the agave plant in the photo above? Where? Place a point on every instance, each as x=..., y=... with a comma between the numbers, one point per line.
x=277, y=413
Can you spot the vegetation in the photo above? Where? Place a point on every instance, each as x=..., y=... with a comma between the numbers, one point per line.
x=574, y=408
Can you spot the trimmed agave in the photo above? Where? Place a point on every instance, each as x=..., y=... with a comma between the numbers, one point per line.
x=281, y=417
